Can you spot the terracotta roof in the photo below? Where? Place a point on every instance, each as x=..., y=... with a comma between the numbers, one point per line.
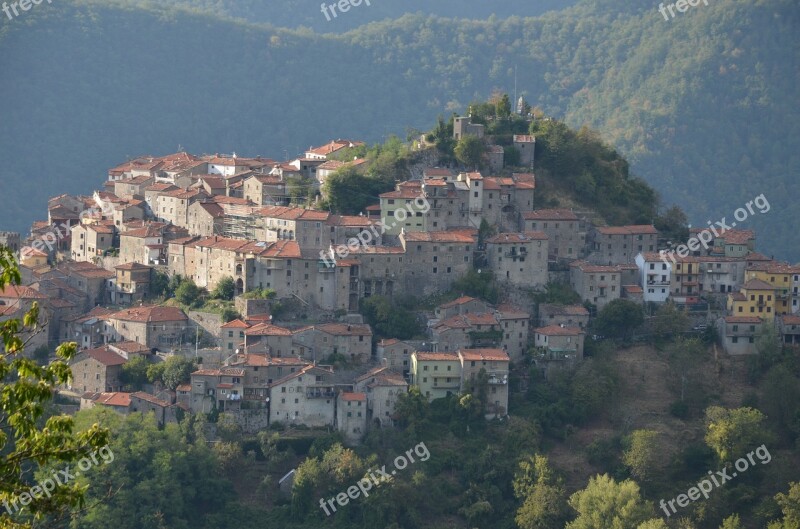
x=344, y=329
x=757, y=284
x=483, y=355
x=105, y=356
x=460, y=301
x=557, y=330
x=524, y=138
x=130, y=347
x=564, y=310
x=149, y=314
x=550, y=214
x=517, y=238
x=639, y=229
x=184, y=387
x=438, y=236
x=150, y=398
x=20, y=292
x=790, y=319
x=738, y=236
x=293, y=213
x=436, y=357
x=742, y=319
x=236, y=324
x=117, y=398
x=267, y=329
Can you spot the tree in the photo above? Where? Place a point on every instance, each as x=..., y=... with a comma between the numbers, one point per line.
x=411, y=407
x=731, y=433
x=469, y=151
x=511, y=156
x=655, y=523
x=606, y=504
x=790, y=507
x=229, y=314
x=619, y=318
x=543, y=495
x=134, y=372
x=187, y=293
x=503, y=107
x=177, y=370
x=160, y=285
x=670, y=320
x=673, y=225
x=226, y=289
x=644, y=456
x=30, y=440
x=731, y=522
x=390, y=320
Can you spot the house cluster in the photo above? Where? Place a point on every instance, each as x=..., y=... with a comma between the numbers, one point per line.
x=91, y=265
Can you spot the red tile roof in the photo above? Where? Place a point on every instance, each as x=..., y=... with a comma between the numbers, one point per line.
x=354, y=397
x=105, y=356
x=517, y=238
x=557, y=330
x=149, y=314
x=483, y=355
x=436, y=357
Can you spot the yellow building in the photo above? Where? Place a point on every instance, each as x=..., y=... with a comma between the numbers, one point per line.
x=32, y=258
x=779, y=275
x=756, y=298
x=436, y=374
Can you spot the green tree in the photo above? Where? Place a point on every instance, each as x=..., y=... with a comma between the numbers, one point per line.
x=644, y=456
x=187, y=293
x=511, y=156
x=412, y=407
x=619, y=318
x=503, y=107
x=390, y=320
x=228, y=428
x=155, y=372
x=469, y=151
x=731, y=522
x=670, y=320
x=606, y=504
x=655, y=523
x=177, y=370
x=673, y=225
x=790, y=507
x=134, y=372
x=544, y=503
x=732, y=433
x=30, y=438
x=226, y=289
x=160, y=285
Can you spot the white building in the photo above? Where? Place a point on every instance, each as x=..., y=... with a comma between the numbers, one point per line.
x=655, y=275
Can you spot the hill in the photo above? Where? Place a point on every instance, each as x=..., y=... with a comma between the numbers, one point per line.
x=703, y=105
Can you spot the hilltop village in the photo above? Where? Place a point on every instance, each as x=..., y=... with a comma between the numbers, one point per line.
x=286, y=343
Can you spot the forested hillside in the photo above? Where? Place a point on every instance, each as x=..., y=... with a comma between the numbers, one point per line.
x=696, y=103
x=307, y=13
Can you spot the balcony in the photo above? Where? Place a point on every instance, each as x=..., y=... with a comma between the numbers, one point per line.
x=320, y=394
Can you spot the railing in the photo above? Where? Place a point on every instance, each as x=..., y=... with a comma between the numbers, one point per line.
x=320, y=394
